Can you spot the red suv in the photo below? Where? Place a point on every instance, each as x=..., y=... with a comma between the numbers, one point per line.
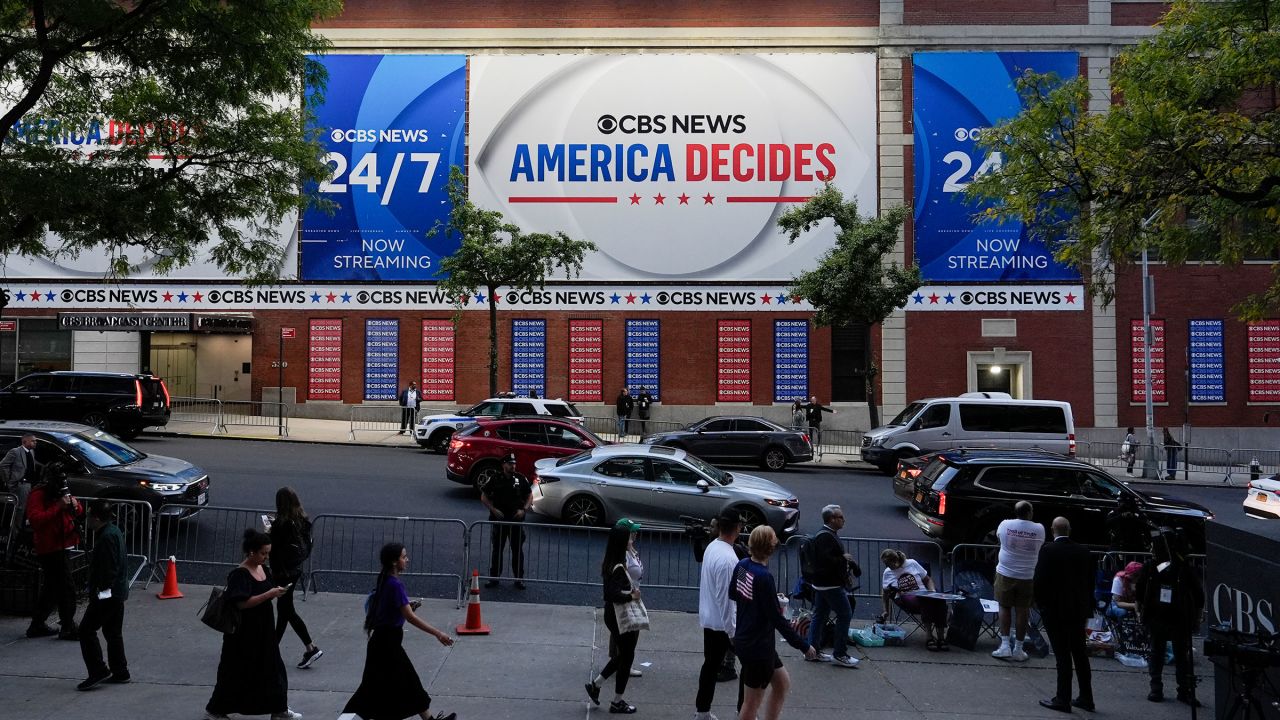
x=478, y=449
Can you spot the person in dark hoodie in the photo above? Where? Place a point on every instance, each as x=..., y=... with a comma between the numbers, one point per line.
x=108, y=589
x=758, y=615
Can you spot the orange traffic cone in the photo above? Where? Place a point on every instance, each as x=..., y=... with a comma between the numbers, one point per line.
x=170, y=590
x=474, y=625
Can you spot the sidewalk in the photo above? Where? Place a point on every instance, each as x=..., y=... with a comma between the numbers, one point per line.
x=338, y=432
x=533, y=667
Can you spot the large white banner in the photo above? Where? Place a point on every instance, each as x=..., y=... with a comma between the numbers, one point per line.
x=676, y=166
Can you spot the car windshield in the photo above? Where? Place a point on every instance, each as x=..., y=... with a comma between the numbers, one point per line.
x=908, y=414
x=719, y=476
x=103, y=449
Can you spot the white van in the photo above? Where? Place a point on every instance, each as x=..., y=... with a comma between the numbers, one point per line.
x=973, y=420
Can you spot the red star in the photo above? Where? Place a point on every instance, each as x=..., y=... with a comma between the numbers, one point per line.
x=497, y=298
x=635, y=199
x=684, y=199
x=708, y=199
x=933, y=299
x=765, y=297
x=35, y=296
x=797, y=299
x=1071, y=299
x=657, y=199
x=463, y=299
x=331, y=297
x=168, y=297
x=631, y=299
x=197, y=297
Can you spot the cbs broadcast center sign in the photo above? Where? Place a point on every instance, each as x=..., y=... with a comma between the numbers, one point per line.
x=676, y=166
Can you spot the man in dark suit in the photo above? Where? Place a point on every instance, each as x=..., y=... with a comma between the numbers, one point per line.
x=18, y=473
x=1063, y=588
x=410, y=399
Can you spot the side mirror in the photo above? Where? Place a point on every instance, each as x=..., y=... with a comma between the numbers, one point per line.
x=586, y=444
x=704, y=486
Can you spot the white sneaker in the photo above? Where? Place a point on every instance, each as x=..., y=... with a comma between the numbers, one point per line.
x=637, y=673
x=704, y=716
x=821, y=657
x=288, y=714
x=1019, y=655
x=1004, y=652
x=846, y=661
x=215, y=716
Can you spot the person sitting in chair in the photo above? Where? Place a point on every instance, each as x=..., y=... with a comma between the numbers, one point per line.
x=902, y=578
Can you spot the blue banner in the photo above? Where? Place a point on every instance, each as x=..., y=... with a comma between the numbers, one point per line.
x=955, y=96
x=643, y=348
x=1205, y=360
x=529, y=357
x=790, y=360
x=391, y=126
x=381, y=359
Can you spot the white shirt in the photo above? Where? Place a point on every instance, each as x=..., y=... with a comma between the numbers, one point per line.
x=889, y=578
x=1020, y=542
x=410, y=397
x=715, y=610
x=635, y=568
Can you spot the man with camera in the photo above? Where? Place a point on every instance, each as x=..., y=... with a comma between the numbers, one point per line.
x=54, y=514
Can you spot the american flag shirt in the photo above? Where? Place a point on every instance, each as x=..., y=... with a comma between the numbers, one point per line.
x=759, y=614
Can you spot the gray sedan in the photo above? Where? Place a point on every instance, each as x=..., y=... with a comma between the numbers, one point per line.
x=655, y=485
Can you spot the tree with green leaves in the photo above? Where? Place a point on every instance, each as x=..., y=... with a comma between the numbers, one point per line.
x=1186, y=162
x=157, y=128
x=495, y=253
x=853, y=282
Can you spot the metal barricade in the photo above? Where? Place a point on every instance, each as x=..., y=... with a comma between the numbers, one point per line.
x=257, y=414
x=607, y=427
x=865, y=552
x=839, y=442
x=376, y=418
x=980, y=558
x=1202, y=459
x=197, y=410
x=1107, y=455
x=205, y=544
x=345, y=550
x=1268, y=462
x=134, y=519
x=8, y=506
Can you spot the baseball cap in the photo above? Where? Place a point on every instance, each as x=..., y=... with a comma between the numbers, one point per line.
x=627, y=523
x=727, y=518
x=509, y=458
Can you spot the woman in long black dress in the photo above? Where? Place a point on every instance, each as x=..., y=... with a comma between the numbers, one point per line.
x=251, y=676
x=390, y=688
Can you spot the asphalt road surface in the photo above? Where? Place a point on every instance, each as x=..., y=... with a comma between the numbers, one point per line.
x=407, y=482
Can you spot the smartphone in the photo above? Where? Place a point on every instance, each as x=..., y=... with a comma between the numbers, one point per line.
x=415, y=604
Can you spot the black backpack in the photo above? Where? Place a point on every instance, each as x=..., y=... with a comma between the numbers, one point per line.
x=809, y=559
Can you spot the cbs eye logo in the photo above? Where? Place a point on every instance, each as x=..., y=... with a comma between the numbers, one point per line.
x=607, y=124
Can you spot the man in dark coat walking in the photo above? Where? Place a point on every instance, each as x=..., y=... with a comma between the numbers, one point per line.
x=1063, y=588
x=108, y=589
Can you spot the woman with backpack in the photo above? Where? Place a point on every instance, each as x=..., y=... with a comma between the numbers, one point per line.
x=291, y=546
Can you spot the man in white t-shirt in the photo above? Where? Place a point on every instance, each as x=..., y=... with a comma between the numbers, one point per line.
x=1020, y=541
x=716, y=612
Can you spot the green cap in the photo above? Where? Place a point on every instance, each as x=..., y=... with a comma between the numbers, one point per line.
x=629, y=524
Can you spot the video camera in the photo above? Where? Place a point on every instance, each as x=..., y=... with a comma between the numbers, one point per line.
x=1249, y=650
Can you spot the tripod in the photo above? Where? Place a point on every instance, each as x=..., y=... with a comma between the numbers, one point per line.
x=1243, y=705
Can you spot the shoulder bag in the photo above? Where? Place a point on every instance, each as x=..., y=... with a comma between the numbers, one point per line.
x=220, y=613
x=632, y=614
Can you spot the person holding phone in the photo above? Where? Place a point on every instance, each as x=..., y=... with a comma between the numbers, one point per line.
x=251, y=675
x=291, y=538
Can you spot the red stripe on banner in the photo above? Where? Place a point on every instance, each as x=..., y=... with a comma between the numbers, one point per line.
x=586, y=360
x=733, y=361
x=1264, y=361
x=1139, y=392
x=324, y=360
x=553, y=199
x=767, y=198
x=437, y=360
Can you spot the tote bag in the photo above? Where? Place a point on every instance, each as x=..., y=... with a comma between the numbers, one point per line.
x=632, y=614
x=219, y=613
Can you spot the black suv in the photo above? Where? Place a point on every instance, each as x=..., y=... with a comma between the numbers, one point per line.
x=101, y=465
x=121, y=403
x=961, y=496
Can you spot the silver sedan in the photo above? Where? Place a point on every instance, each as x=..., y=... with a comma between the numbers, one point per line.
x=655, y=485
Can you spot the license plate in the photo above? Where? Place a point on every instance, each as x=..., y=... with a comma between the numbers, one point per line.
x=919, y=497
x=202, y=498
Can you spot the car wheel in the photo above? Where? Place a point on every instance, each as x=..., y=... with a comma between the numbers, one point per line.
x=484, y=473
x=583, y=510
x=439, y=441
x=751, y=519
x=95, y=419
x=775, y=458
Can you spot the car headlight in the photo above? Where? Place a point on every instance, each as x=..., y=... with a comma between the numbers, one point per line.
x=878, y=442
x=650, y=440
x=788, y=503
x=162, y=487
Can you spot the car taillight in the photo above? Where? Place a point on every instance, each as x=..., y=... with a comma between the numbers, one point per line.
x=168, y=402
x=456, y=444
x=1071, y=444
x=942, y=503
x=807, y=441
x=544, y=479
x=137, y=393
x=914, y=472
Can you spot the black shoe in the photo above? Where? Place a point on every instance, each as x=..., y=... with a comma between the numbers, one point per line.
x=1082, y=704
x=621, y=707
x=94, y=678
x=519, y=584
x=442, y=716
x=1055, y=704
x=119, y=678
x=593, y=692
x=491, y=584
x=1156, y=696
x=1187, y=698
x=41, y=630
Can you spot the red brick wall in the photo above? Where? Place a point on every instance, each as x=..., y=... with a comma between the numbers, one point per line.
x=1182, y=294
x=688, y=353
x=995, y=12
x=1141, y=14
x=1059, y=343
x=605, y=14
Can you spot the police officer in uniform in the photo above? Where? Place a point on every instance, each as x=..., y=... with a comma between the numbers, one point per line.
x=508, y=497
